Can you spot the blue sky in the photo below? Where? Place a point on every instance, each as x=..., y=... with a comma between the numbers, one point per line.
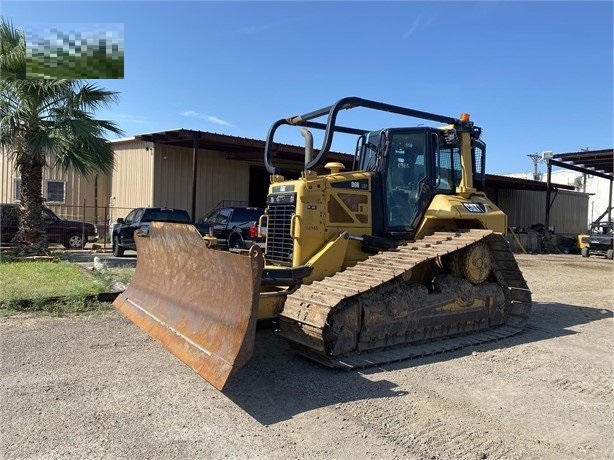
x=535, y=76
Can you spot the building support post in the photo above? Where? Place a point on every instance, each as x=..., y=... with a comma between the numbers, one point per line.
x=194, y=168
x=610, y=203
x=96, y=200
x=548, y=185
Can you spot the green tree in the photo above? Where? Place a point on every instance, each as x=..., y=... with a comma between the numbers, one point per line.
x=43, y=115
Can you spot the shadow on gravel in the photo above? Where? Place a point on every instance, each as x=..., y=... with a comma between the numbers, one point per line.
x=278, y=384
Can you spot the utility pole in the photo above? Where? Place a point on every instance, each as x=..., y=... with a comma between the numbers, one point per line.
x=584, y=149
x=536, y=158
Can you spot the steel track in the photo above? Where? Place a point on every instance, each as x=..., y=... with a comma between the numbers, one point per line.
x=307, y=311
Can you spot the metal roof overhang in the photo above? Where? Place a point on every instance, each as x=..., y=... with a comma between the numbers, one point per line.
x=516, y=183
x=235, y=148
x=599, y=163
x=246, y=149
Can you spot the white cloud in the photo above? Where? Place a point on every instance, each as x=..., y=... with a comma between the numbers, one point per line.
x=190, y=113
x=203, y=116
x=416, y=22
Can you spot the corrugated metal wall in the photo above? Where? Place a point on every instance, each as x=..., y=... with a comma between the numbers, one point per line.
x=172, y=176
x=81, y=193
x=527, y=207
x=132, y=182
x=7, y=173
x=218, y=179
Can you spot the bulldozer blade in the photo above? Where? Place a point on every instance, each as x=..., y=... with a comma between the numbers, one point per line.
x=200, y=303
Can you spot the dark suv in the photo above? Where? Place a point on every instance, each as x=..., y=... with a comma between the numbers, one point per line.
x=141, y=218
x=72, y=234
x=235, y=227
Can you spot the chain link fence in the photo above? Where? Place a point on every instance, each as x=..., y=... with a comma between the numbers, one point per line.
x=103, y=217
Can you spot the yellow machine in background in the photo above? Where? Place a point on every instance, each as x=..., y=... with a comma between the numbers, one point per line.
x=369, y=263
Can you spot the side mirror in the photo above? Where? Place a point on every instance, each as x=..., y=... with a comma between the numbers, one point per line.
x=120, y=220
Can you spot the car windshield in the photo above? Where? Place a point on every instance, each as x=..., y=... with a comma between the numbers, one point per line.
x=166, y=215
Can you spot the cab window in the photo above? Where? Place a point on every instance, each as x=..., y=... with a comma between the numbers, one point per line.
x=369, y=156
x=448, y=167
x=246, y=215
x=405, y=172
x=223, y=216
x=130, y=217
x=47, y=216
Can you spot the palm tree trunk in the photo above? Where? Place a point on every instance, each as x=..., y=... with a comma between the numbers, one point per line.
x=31, y=237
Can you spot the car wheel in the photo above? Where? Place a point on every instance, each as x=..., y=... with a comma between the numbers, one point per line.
x=118, y=251
x=236, y=243
x=584, y=252
x=74, y=241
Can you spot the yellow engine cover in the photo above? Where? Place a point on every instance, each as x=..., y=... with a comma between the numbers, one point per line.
x=448, y=212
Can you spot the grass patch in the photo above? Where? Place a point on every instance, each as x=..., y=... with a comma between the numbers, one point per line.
x=55, y=288
x=111, y=276
x=36, y=280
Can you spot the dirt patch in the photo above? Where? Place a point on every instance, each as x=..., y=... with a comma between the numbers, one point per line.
x=98, y=387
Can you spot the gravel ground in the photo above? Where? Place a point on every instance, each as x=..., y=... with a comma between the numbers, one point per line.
x=98, y=387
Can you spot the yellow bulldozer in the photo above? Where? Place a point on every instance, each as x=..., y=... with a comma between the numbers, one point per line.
x=395, y=256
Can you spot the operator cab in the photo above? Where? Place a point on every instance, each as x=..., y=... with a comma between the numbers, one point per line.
x=410, y=166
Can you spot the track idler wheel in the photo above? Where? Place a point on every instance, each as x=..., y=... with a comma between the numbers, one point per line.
x=472, y=263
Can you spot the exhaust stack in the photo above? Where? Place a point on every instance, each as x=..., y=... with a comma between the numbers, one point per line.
x=308, y=145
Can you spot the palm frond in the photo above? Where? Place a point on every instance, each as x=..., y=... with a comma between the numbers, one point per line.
x=92, y=97
x=12, y=52
x=86, y=155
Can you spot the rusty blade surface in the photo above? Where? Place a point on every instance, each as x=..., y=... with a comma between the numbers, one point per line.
x=200, y=303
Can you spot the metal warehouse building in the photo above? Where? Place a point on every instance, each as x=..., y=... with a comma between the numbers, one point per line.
x=195, y=170
x=524, y=202
x=198, y=170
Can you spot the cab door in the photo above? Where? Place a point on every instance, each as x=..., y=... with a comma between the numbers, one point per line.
x=407, y=181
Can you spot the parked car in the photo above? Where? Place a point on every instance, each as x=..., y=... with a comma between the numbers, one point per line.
x=234, y=227
x=70, y=233
x=141, y=218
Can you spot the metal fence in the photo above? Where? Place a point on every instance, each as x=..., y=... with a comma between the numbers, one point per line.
x=103, y=217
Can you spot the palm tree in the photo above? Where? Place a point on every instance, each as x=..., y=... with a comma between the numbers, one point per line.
x=43, y=115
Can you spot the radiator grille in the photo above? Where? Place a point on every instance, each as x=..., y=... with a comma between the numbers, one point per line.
x=279, y=243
